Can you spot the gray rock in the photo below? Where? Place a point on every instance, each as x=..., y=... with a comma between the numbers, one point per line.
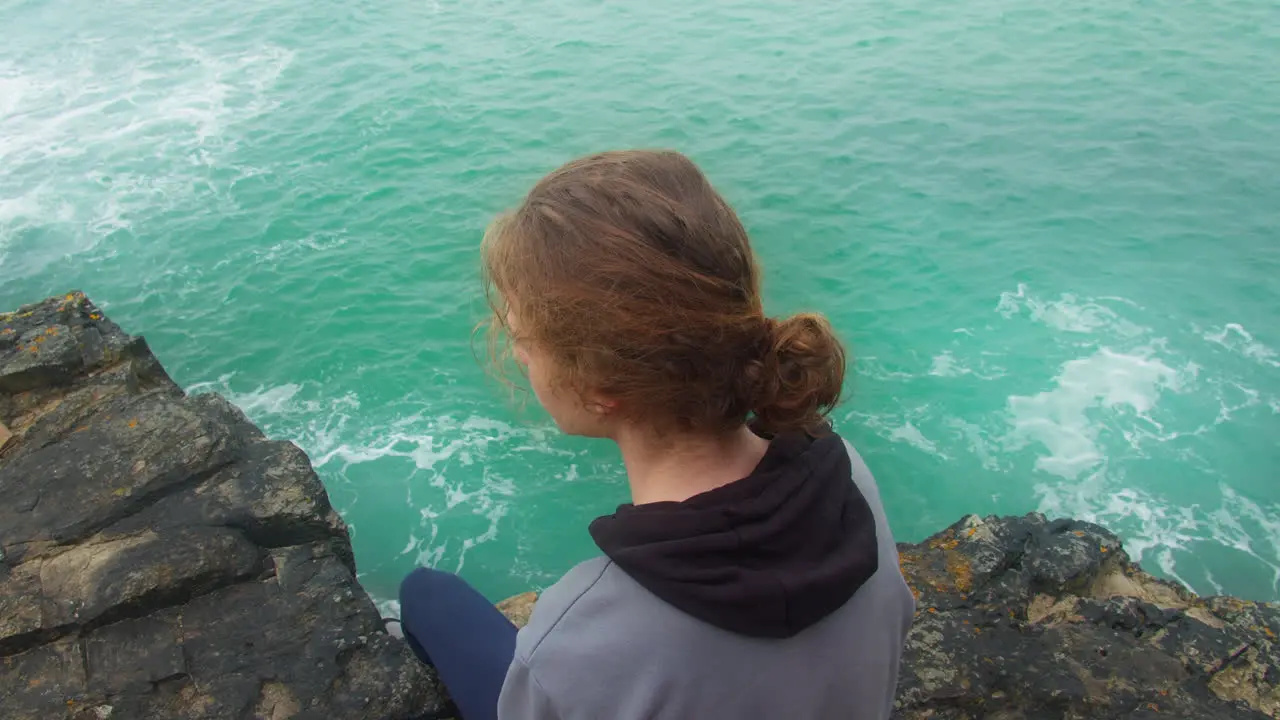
x=1030, y=618
x=160, y=558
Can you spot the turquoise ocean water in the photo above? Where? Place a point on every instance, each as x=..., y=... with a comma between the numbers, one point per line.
x=1049, y=231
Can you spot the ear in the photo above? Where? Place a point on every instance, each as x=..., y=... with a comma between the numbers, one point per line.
x=600, y=404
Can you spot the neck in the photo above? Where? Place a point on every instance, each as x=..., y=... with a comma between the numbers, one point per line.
x=675, y=468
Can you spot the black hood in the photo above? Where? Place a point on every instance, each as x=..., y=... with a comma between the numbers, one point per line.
x=767, y=555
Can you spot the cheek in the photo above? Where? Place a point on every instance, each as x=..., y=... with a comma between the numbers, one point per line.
x=534, y=371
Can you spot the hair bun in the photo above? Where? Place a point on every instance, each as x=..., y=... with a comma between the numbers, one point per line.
x=801, y=374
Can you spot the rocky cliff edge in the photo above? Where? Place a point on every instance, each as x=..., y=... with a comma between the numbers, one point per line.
x=160, y=558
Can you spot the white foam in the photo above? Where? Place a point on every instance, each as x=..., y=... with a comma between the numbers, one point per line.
x=1058, y=420
x=1243, y=524
x=387, y=608
x=872, y=367
x=944, y=365
x=1155, y=528
x=262, y=401
x=1147, y=521
x=491, y=511
x=980, y=445
x=151, y=124
x=1237, y=339
x=911, y=435
x=412, y=545
x=443, y=451
x=13, y=88
x=319, y=242
x=1068, y=314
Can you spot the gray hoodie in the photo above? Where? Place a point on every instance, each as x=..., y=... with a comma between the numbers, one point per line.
x=778, y=596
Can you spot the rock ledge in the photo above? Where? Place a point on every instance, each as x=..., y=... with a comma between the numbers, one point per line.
x=1031, y=618
x=160, y=558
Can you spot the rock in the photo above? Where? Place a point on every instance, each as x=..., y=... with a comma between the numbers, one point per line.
x=1028, y=618
x=160, y=558
x=519, y=608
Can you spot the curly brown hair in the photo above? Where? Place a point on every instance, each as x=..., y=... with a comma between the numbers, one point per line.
x=639, y=280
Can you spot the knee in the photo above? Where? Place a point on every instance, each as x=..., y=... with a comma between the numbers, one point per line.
x=413, y=587
x=421, y=585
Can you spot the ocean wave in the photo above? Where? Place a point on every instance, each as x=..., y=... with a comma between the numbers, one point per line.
x=450, y=470
x=1157, y=529
x=946, y=365
x=152, y=124
x=1068, y=313
x=1237, y=339
x=1117, y=404
x=911, y=435
x=1059, y=420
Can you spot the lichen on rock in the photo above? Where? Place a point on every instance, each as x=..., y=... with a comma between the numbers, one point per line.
x=1026, y=617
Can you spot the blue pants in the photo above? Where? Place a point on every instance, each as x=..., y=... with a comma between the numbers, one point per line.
x=451, y=626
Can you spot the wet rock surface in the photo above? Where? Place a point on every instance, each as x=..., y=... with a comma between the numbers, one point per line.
x=160, y=558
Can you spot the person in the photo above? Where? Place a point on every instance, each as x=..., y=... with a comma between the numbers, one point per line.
x=754, y=574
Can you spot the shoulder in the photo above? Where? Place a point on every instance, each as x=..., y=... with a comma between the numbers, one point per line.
x=866, y=483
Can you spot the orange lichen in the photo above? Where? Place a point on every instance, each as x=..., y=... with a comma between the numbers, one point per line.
x=133, y=423
x=972, y=530
x=1103, y=548
x=961, y=571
